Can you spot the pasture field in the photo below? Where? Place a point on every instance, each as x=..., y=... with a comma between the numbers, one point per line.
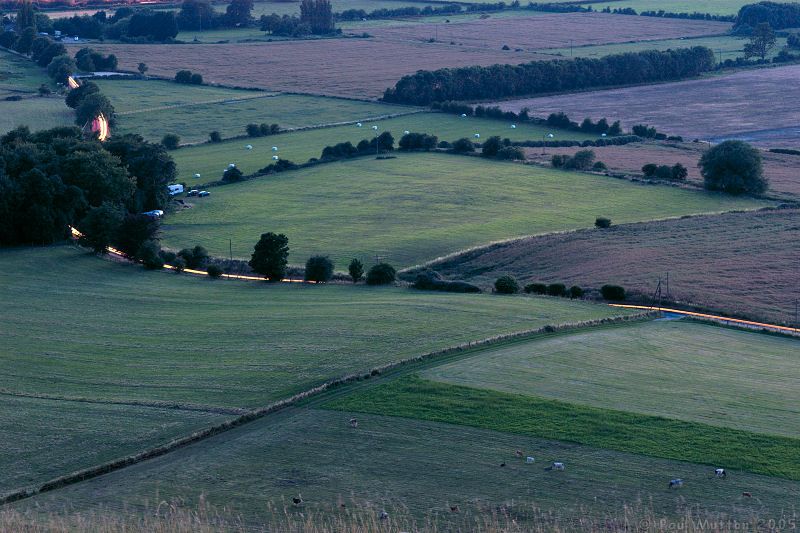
x=210, y=160
x=715, y=7
x=20, y=75
x=724, y=47
x=780, y=169
x=742, y=264
x=193, y=342
x=414, y=397
x=354, y=68
x=131, y=95
x=412, y=465
x=43, y=439
x=36, y=112
x=194, y=115
x=675, y=369
x=419, y=206
x=685, y=107
x=551, y=30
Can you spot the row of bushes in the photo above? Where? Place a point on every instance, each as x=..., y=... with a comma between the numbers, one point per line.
x=694, y=15
x=676, y=172
x=262, y=130
x=509, y=285
x=603, y=141
x=537, y=77
x=187, y=77
x=581, y=160
x=778, y=15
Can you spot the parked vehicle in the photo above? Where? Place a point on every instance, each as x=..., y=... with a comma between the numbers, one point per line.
x=174, y=189
x=203, y=194
x=193, y=192
x=155, y=213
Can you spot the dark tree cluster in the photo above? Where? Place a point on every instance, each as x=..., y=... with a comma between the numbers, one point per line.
x=676, y=172
x=187, y=77
x=778, y=15
x=497, y=148
x=262, y=130
x=498, y=81
x=55, y=178
x=433, y=281
x=88, y=102
x=89, y=60
x=318, y=14
x=384, y=142
x=418, y=141
x=284, y=26
x=581, y=160
x=733, y=167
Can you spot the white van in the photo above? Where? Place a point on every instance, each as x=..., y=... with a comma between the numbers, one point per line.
x=175, y=189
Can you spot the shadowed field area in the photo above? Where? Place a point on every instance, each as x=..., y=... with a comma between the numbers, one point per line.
x=738, y=263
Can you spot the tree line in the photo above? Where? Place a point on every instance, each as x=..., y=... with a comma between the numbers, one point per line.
x=56, y=178
x=539, y=77
x=778, y=15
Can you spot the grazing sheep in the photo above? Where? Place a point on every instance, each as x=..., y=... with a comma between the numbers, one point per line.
x=454, y=509
x=518, y=453
x=556, y=466
x=675, y=483
x=747, y=495
x=720, y=472
x=297, y=500
x=530, y=460
x=384, y=515
x=353, y=423
x=502, y=464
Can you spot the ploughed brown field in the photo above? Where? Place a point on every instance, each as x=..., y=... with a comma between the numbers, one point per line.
x=754, y=105
x=360, y=68
x=552, y=30
x=743, y=264
x=782, y=170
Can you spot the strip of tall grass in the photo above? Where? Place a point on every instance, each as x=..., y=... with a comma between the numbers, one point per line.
x=414, y=397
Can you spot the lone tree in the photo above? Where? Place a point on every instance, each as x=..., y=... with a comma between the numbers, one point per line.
x=356, y=270
x=762, y=41
x=142, y=68
x=381, y=274
x=270, y=256
x=318, y=14
x=733, y=167
x=319, y=268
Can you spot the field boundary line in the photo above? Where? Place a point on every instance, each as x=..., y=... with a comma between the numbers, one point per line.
x=716, y=318
x=190, y=104
x=255, y=414
x=135, y=403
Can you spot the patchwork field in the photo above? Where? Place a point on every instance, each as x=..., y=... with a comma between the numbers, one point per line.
x=716, y=107
x=686, y=371
x=423, y=467
x=419, y=206
x=36, y=113
x=352, y=67
x=780, y=169
x=195, y=114
x=210, y=160
x=739, y=263
x=552, y=30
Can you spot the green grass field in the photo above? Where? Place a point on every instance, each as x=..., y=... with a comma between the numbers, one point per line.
x=689, y=371
x=416, y=465
x=210, y=160
x=36, y=113
x=414, y=397
x=418, y=207
x=715, y=7
x=724, y=47
x=43, y=439
x=20, y=75
x=159, y=336
x=193, y=112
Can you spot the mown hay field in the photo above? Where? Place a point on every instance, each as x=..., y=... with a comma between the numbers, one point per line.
x=19, y=75
x=714, y=107
x=158, y=336
x=211, y=160
x=676, y=369
x=43, y=439
x=192, y=113
x=35, y=112
x=417, y=207
x=350, y=67
x=743, y=264
x=552, y=30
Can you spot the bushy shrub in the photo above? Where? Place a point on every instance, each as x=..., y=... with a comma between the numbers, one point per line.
x=599, y=166
x=194, y=257
x=381, y=274
x=356, y=270
x=215, y=137
x=168, y=256
x=536, y=288
x=319, y=268
x=418, y=141
x=510, y=153
x=559, y=160
x=506, y=285
x=649, y=170
x=179, y=264
x=433, y=281
x=613, y=292
x=232, y=174
x=575, y=292
x=679, y=172
x=664, y=172
x=602, y=222
x=644, y=131
x=463, y=146
x=556, y=289
x=582, y=160
x=149, y=255
x=733, y=167
x=171, y=141
x=214, y=271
